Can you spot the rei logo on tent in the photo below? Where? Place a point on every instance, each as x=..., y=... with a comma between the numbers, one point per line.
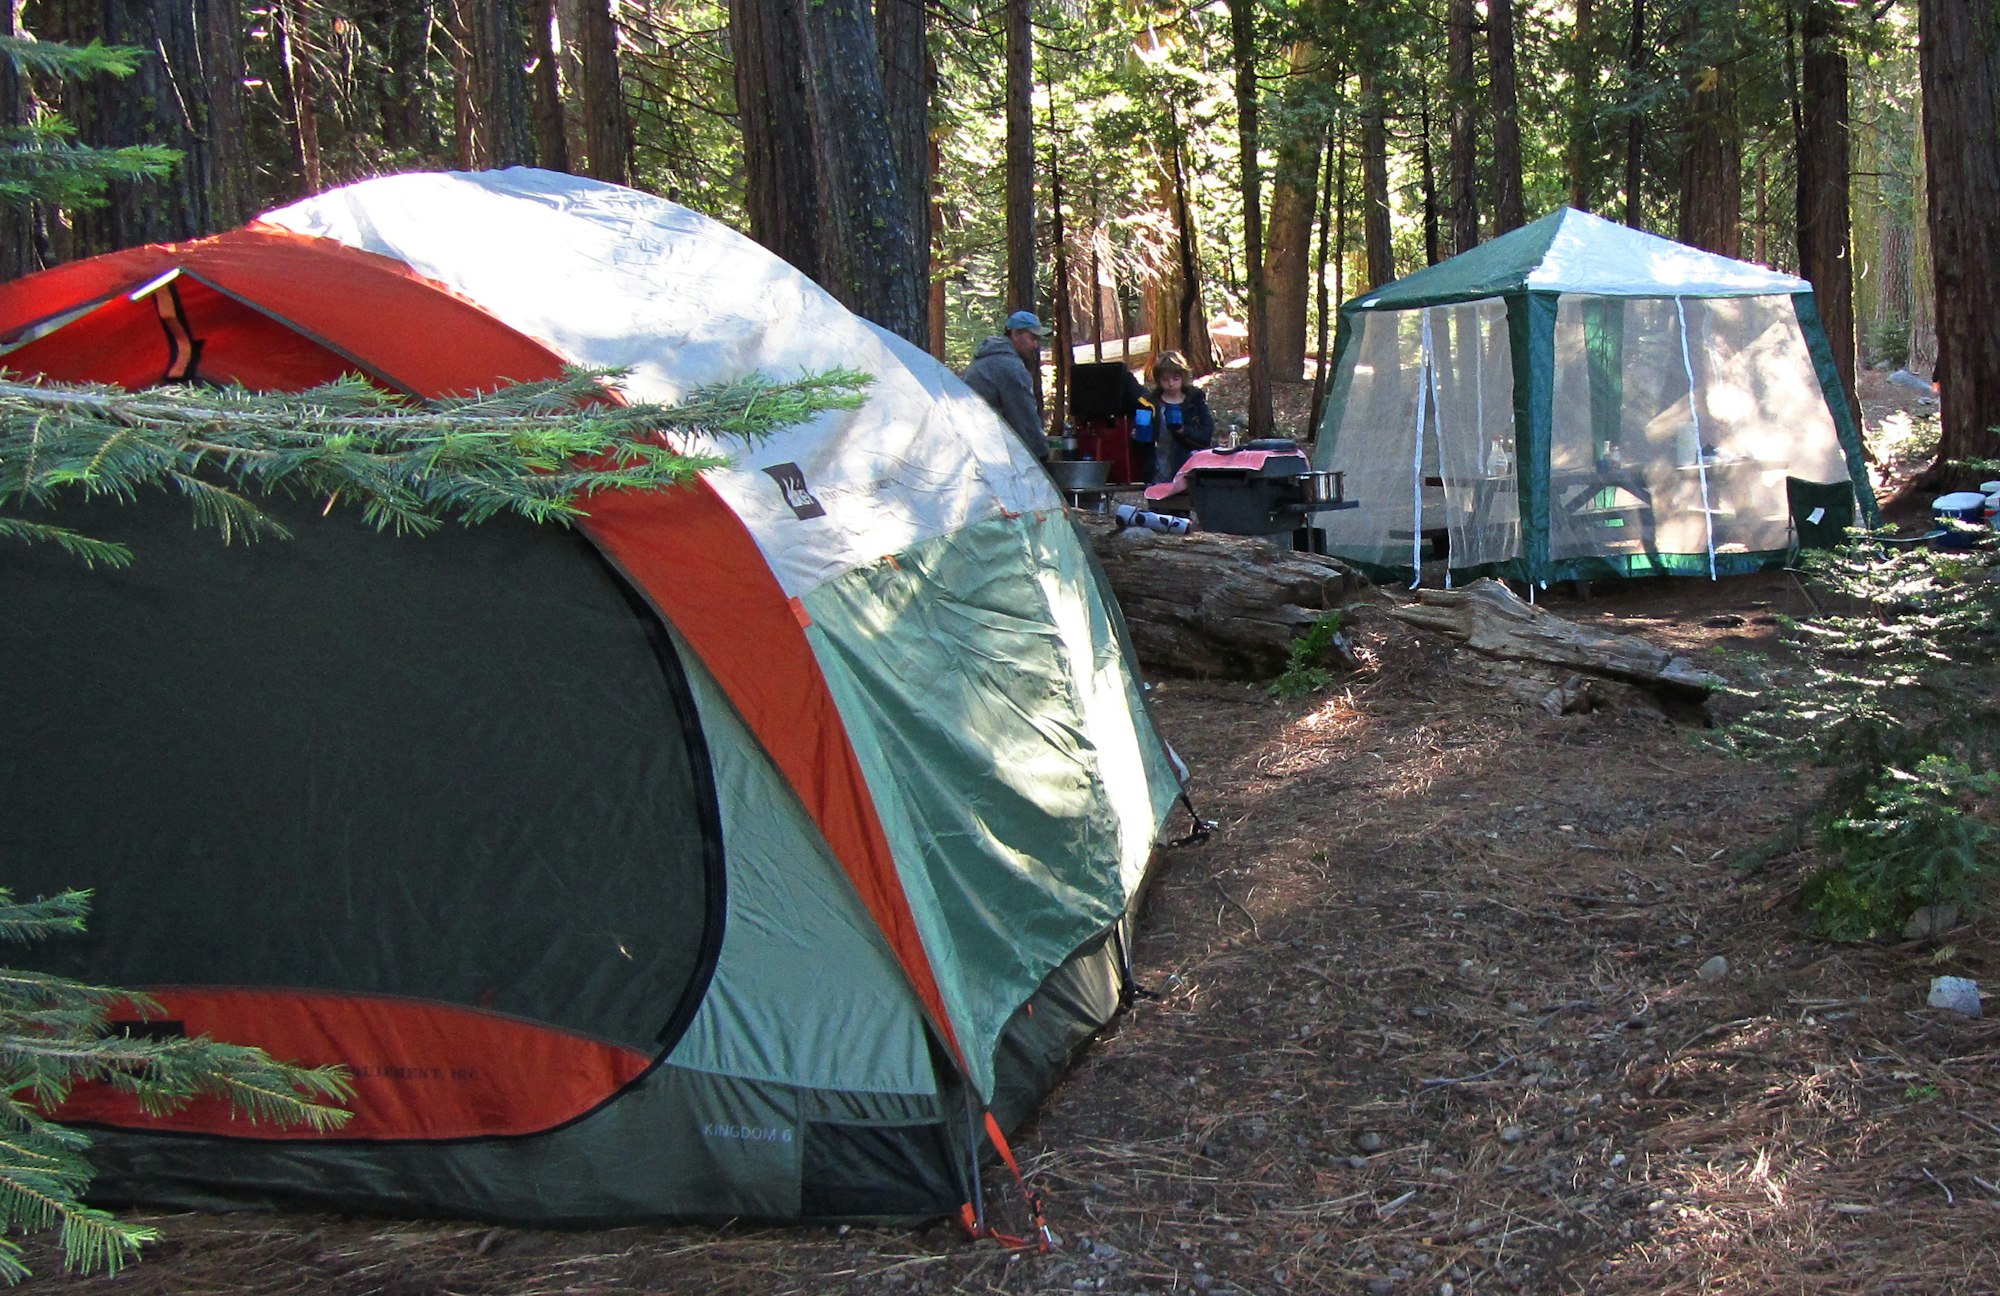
x=791, y=480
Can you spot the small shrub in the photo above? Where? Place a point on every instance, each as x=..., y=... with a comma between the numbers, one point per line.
x=1894, y=696
x=1913, y=839
x=1889, y=342
x=1308, y=670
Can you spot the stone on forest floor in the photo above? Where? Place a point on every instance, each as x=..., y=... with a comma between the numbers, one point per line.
x=1931, y=922
x=1957, y=994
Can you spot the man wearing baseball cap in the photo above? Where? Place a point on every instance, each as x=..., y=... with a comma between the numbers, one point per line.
x=1003, y=372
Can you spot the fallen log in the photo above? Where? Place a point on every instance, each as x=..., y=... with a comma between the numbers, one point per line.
x=1215, y=605
x=1492, y=620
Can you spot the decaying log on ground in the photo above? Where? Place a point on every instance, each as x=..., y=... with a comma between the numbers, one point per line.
x=1492, y=620
x=1215, y=605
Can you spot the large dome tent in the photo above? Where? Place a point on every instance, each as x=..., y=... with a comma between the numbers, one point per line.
x=1578, y=399
x=738, y=854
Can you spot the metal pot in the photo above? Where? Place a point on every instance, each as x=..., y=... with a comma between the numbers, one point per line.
x=1080, y=474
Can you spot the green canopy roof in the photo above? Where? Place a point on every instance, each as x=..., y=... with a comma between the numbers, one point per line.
x=1575, y=252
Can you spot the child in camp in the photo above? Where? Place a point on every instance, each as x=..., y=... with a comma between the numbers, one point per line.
x=1181, y=421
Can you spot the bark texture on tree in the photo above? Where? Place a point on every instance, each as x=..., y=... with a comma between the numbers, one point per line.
x=1020, y=89
x=185, y=96
x=1433, y=253
x=551, y=140
x=406, y=36
x=781, y=191
x=1194, y=339
x=1462, y=202
x=1064, y=325
x=219, y=32
x=1243, y=36
x=1508, y=210
x=1287, y=279
x=1958, y=50
x=502, y=125
x=1711, y=169
x=901, y=37
x=1215, y=605
x=1923, y=279
x=295, y=50
x=1824, y=257
x=17, y=220
x=1332, y=247
x=1580, y=149
x=607, y=129
x=1635, y=123
x=868, y=252
x=1375, y=186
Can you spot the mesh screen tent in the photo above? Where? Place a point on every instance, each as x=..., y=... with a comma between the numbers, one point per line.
x=1577, y=399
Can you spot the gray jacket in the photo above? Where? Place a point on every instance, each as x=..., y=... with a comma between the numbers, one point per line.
x=1001, y=377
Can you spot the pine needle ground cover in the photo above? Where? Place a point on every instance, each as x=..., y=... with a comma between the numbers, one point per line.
x=1429, y=1013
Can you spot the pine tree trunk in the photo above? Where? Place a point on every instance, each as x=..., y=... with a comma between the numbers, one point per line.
x=1191, y=316
x=17, y=219
x=1243, y=37
x=869, y=250
x=1427, y=178
x=939, y=303
x=1823, y=185
x=1065, y=329
x=1375, y=185
x=1711, y=167
x=1162, y=293
x=607, y=131
x=902, y=39
x=1635, y=122
x=1580, y=149
x=406, y=42
x=781, y=191
x=1893, y=248
x=184, y=96
x=464, y=111
x=551, y=140
x=1923, y=276
x=1958, y=50
x=1508, y=210
x=231, y=199
x=502, y=130
x=1336, y=178
x=295, y=46
x=1760, y=221
x=1286, y=278
x=1460, y=90
x=1020, y=88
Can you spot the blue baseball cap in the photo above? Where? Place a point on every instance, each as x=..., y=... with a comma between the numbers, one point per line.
x=1024, y=320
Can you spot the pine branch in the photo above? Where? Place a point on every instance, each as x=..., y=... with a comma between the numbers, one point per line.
x=539, y=450
x=60, y=59
x=26, y=920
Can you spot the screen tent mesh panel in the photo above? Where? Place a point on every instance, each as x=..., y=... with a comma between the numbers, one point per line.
x=1426, y=437
x=1673, y=426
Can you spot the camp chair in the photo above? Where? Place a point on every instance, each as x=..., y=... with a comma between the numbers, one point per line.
x=1821, y=514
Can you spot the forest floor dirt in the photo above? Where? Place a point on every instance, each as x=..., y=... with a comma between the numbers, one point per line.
x=1429, y=1019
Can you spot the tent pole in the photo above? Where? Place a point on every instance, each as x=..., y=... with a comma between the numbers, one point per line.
x=1700, y=456
x=1417, y=456
x=1437, y=427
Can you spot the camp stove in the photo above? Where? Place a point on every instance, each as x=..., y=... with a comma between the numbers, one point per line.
x=1263, y=487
